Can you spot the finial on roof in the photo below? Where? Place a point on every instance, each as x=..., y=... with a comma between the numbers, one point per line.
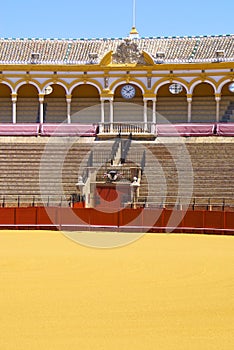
x=134, y=33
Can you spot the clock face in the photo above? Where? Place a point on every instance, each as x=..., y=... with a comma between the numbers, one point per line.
x=128, y=91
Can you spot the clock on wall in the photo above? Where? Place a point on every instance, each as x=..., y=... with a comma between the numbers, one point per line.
x=128, y=91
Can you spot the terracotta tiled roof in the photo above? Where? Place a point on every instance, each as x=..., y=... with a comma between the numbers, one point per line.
x=77, y=51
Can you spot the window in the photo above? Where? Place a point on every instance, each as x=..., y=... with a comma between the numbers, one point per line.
x=177, y=88
x=231, y=87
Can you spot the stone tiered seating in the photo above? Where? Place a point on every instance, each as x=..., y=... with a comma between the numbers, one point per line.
x=212, y=165
x=49, y=170
x=203, y=109
x=174, y=110
x=227, y=109
x=56, y=110
x=85, y=110
x=41, y=169
x=23, y=169
x=5, y=110
x=27, y=110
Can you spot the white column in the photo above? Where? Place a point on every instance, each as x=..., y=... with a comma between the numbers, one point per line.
x=217, y=99
x=154, y=117
x=14, y=100
x=111, y=115
x=145, y=114
x=189, y=100
x=102, y=112
x=101, y=126
x=41, y=101
x=68, y=100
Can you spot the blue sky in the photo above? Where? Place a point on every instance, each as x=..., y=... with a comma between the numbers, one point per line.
x=99, y=19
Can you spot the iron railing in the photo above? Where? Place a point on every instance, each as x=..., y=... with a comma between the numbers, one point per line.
x=180, y=203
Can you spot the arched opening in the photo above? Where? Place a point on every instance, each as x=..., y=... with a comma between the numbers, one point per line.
x=85, y=104
x=128, y=104
x=5, y=104
x=55, y=105
x=203, y=104
x=27, y=104
x=172, y=104
x=226, y=105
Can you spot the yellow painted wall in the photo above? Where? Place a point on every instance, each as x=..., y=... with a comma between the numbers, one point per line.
x=203, y=89
x=226, y=92
x=85, y=90
x=5, y=91
x=58, y=91
x=27, y=90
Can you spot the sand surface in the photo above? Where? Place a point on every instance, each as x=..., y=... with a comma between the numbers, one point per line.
x=161, y=292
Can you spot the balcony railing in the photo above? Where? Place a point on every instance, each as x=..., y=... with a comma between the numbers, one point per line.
x=127, y=128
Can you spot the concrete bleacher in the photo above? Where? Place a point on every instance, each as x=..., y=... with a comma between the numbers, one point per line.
x=24, y=168
x=83, y=109
x=227, y=109
x=27, y=110
x=171, y=109
x=212, y=172
x=56, y=110
x=203, y=109
x=32, y=169
x=6, y=110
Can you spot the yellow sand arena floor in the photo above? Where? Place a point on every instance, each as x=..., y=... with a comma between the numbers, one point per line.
x=173, y=292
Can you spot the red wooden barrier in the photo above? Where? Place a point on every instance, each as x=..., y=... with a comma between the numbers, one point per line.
x=146, y=219
x=100, y=218
x=131, y=217
x=7, y=216
x=47, y=216
x=25, y=216
x=229, y=220
x=194, y=219
x=214, y=221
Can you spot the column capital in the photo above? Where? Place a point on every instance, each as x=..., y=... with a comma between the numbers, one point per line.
x=68, y=97
x=149, y=96
x=14, y=96
x=110, y=98
x=189, y=97
x=41, y=97
x=217, y=97
x=106, y=94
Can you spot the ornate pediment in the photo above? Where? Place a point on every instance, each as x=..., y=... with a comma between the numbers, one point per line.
x=128, y=53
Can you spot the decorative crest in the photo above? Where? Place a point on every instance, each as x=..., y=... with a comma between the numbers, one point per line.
x=128, y=52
